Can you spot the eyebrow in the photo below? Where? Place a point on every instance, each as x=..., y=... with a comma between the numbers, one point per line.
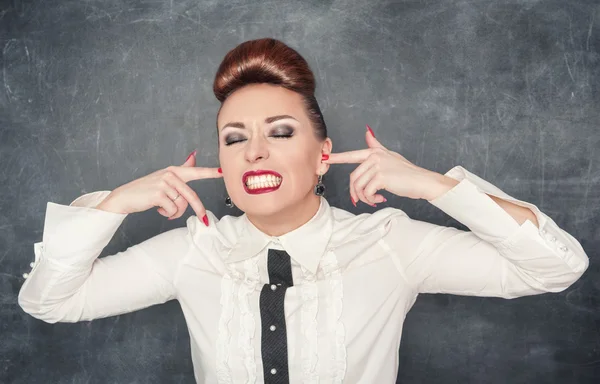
x=268, y=120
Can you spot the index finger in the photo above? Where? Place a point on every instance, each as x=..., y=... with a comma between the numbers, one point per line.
x=196, y=173
x=350, y=157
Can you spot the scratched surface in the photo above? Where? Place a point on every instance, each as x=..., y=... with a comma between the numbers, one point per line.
x=96, y=93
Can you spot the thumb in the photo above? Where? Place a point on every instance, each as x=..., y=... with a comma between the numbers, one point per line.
x=372, y=142
x=191, y=159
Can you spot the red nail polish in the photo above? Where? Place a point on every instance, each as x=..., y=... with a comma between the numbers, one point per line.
x=353, y=202
x=384, y=200
x=325, y=157
x=370, y=130
x=205, y=220
x=220, y=170
x=191, y=154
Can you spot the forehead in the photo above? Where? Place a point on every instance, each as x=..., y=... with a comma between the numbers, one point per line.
x=257, y=101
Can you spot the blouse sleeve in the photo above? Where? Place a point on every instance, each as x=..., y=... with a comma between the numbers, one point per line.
x=69, y=283
x=497, y=257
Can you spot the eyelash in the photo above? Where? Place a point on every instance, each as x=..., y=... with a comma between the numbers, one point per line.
x=284, y=136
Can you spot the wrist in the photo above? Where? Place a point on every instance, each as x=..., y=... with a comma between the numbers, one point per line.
x=108, y=205
x=436, y=185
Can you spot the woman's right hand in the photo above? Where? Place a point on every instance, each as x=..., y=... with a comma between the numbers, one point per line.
x=160, y=189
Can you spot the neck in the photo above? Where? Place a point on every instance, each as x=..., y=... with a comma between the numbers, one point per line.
x=289, y=219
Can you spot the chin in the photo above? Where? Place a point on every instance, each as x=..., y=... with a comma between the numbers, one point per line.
x=261, y=207
x=265, y=204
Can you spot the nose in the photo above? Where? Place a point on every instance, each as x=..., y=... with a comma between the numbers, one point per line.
x=256, y=149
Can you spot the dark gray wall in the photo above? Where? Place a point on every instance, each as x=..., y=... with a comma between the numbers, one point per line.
x=94, y=94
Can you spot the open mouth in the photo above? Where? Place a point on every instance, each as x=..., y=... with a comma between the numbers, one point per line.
x=261, y=181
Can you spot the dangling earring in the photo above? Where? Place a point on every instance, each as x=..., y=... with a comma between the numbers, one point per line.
x=320, y=187
x=228, y=202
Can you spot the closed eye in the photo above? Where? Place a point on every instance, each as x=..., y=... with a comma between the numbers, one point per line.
x=233, y=140
x=229, y=141
x=283, y=131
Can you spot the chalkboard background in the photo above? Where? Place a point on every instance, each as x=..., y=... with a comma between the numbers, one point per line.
x=94, y=94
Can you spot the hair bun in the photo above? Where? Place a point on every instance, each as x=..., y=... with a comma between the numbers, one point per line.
x=264, y=60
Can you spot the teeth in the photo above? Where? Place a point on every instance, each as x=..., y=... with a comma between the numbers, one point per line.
x=262, y=181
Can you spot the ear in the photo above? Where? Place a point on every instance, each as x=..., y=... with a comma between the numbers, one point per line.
x=326, y=147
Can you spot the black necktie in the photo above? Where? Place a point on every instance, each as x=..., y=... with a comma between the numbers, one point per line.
x=274, y=336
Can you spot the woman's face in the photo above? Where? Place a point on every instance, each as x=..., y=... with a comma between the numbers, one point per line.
x=268, y=150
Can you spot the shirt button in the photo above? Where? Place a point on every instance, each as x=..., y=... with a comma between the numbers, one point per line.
x=273, y=371
x=272, y=327
x=32, y=264
x=543, y=231
x=552, y=238
x=273, y=287
x=563, y=248
x=26, y=275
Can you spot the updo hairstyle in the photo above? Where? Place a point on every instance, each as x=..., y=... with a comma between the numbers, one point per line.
x=269, y=61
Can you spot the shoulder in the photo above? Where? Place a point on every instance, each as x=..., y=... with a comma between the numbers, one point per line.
x=348, y=226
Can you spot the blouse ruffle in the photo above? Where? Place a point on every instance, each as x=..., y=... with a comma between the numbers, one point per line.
x=310, y=305
x=332, y=273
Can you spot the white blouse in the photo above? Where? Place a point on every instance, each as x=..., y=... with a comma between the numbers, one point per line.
x=355, y=278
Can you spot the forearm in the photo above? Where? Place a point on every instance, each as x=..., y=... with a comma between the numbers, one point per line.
x=73, y=238
x=439, y=184
x=70, y=283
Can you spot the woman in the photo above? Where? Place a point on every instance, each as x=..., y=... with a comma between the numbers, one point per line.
x=294, y=290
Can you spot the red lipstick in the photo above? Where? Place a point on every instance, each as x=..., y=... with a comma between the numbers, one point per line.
x=259, y=172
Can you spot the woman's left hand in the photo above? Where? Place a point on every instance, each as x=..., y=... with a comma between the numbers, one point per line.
x=379, y=169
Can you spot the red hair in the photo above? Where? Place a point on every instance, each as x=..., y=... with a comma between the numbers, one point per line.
x=272, y=62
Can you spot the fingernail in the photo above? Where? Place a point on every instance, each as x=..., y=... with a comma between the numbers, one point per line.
x=205, y=220
x=370, y=130
x=170, y=218
x=220, y=170
x=384, y=199
x=191, y=154
x=353, y=202
x=324, y=157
